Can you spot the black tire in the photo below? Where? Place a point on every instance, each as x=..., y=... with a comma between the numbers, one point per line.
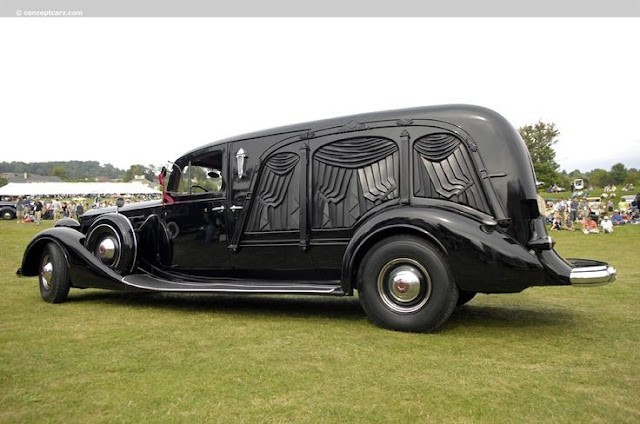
x=464, y=297
x=7, y=214
x=404, y=284
x=53, y=275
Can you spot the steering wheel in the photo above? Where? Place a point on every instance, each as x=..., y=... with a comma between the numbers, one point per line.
x=198, y=186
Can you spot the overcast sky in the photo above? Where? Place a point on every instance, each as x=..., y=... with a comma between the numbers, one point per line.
x=127, y=91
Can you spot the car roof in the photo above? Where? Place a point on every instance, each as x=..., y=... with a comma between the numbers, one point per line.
x=455, y=114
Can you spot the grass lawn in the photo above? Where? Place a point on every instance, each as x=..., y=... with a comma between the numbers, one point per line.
x=549, y=354
x=595, y=193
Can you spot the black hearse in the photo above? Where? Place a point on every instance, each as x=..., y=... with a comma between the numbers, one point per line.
x=417, y=210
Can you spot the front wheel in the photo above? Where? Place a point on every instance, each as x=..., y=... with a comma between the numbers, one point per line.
x=54, y=274
x=404, y=284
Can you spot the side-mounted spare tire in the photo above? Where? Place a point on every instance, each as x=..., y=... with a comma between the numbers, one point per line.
x=404, y=284
x=155, y=242
x=111, y=238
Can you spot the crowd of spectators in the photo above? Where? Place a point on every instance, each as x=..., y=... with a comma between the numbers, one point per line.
x=35, y=208
x=593, y=214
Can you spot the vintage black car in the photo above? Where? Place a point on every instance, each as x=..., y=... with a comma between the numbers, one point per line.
x=417, y=210
x=8, y=209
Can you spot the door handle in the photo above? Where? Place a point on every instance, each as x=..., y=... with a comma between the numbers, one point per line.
x=235, y=208
x=217, y=209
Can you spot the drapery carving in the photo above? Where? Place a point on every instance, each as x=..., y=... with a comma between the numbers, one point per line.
x=443, y=169
x=355, y=152
x=352, y=176
x=276, y=205
x=436, y=147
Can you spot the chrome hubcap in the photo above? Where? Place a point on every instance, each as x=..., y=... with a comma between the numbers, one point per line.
x=404, y=285
x=104, y=242
x=46, y=273
x=107, y=249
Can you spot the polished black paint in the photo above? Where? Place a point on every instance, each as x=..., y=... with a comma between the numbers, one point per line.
x=85, y=270
x=312, y=198
x=463, y=239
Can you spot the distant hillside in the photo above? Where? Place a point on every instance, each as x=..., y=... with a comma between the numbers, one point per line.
x=70, y=170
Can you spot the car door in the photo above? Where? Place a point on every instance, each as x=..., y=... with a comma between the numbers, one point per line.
x=268, y=209
x=197, y=217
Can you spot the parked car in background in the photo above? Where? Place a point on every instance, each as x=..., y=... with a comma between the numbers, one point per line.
x=556, y=189
x=578, y=184
x=417, y=210
x=8, y=209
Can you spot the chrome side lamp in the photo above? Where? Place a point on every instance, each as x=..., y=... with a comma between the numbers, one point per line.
x=240, y=158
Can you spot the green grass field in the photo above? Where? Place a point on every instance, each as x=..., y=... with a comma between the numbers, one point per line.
x=595, y=193
x=549, y=354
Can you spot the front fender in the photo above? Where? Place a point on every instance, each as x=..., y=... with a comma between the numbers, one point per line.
x=480, y=258
x=85, y=270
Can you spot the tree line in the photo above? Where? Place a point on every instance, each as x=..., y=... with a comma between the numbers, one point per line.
x=79, y=170
x=540, y=139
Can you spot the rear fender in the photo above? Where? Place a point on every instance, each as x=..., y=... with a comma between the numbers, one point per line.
x=363, y=240
x=481, y=258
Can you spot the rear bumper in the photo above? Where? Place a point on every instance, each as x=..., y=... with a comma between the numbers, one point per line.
x=575, y=272
x=587, y=273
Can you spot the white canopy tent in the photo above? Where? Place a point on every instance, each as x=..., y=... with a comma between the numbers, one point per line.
x=74, y=189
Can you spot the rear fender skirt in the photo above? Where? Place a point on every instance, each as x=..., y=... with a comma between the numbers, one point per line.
x=85, y=270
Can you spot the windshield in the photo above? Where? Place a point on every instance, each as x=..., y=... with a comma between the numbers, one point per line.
x=198, y=174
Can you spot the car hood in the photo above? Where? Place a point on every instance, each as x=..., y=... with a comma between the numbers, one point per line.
x=126, y=208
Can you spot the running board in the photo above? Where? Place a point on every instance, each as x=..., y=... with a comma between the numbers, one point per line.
x=149, y=282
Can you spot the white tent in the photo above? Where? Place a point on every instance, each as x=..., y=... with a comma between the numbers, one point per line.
x=72, y=189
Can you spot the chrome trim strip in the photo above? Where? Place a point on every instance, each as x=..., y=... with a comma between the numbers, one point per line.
x=135, y=245
x=592, y=276
x=234, y=288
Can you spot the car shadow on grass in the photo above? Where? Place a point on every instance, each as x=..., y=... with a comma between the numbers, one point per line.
x=474, y=315
x=347, y=308
x=507, y=316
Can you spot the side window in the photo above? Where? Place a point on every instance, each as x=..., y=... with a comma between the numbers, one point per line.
x=276, y=205
x=350, y=177
x=200, y=174
x=443, y=169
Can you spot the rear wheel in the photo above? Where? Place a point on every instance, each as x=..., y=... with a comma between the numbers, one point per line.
x=404, y=284
x=53, y=275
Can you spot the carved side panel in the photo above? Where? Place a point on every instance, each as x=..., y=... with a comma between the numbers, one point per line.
x=443, y=169
x=277, y=206
x=352, y=176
